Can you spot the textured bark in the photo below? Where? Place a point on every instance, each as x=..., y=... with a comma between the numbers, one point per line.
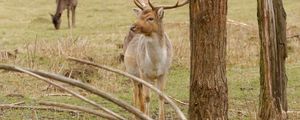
x=273, y=80
x=208, y=90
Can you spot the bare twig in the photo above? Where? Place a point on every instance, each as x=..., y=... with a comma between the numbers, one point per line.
x=178, y=101
x=294, y=36
x=84, y=86
x=178, y=111
x=78, y=108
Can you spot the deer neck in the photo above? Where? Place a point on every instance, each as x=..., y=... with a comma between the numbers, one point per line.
x=60, y=7
x=155, y=47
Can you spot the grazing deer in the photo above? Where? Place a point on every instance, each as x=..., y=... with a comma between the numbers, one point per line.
x=148, y=53
x=61, y=6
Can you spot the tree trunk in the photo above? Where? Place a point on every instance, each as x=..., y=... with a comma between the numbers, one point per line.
x=208, y=90
x=273, y=80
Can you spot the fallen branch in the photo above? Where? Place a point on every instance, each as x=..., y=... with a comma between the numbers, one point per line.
x=178, y=111
x=69, y=95
x=9, y=106
x=84, y=86
x=58, y=108
x=78, y=108
x=293, y=111
x=15, y=95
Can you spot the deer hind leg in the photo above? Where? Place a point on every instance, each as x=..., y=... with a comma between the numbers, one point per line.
x=161, y=86
x=73, y=16
x=68, y=15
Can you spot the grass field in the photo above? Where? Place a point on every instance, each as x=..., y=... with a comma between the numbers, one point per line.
x=26, y=33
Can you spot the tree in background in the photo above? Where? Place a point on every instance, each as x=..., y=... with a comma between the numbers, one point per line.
x=208, y=90
x=273, y=80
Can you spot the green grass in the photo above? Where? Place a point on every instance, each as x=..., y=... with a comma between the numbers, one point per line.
x=101, y=26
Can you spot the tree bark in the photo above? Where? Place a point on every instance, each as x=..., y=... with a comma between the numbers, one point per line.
x=272, y=31
x=208, y=90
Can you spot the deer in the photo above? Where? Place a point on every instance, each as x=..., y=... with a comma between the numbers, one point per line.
x=70, y=5
x=148, y=53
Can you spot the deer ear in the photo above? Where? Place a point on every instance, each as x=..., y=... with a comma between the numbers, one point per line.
x=137, y=11
x=51, y=15
x=160, y=13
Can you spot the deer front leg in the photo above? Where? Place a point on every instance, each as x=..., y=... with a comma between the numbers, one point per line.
x=141, y=97
x=135, y=94
x=147, y=97
x=73, y=16
x=161, y=86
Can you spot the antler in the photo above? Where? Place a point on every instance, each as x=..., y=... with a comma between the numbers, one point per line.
x=138, y=4
x=170, y=7
x=150, y=4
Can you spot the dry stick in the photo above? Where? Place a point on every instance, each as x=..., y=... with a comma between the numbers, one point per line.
x=178, y=101
x=178, y=111
x=84, y=86
x=34, y=115
x=78, y=108
x=9, y=106
x=18, y=103
x=73, y=93
x=239, y=23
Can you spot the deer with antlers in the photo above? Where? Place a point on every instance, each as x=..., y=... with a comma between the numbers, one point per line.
x=61, y=6
x=148, y=52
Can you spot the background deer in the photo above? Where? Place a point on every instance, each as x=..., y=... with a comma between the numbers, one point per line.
x=61, y=6
x=148, y=53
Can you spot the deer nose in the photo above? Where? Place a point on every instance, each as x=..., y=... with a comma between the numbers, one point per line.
x=133, y=28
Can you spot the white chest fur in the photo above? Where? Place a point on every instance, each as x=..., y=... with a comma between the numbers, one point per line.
x=155, y=56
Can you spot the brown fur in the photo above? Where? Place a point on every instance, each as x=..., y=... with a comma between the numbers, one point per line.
x=61, y=6
x=148, y=55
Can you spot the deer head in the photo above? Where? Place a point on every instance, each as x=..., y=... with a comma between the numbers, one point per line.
x=56, y=20
x=149, y=20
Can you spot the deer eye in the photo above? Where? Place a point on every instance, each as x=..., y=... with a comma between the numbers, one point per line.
x=150, y=19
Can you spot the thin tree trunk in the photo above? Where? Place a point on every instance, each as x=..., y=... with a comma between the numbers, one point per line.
x=208, y=90
x=273, y=80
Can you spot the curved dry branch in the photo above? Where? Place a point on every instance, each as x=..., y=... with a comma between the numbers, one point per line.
x=74, y=94
x=178, y=111
x=78, y=108
x=84, y=86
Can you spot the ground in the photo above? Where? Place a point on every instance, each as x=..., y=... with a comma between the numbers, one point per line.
x=28, y=39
